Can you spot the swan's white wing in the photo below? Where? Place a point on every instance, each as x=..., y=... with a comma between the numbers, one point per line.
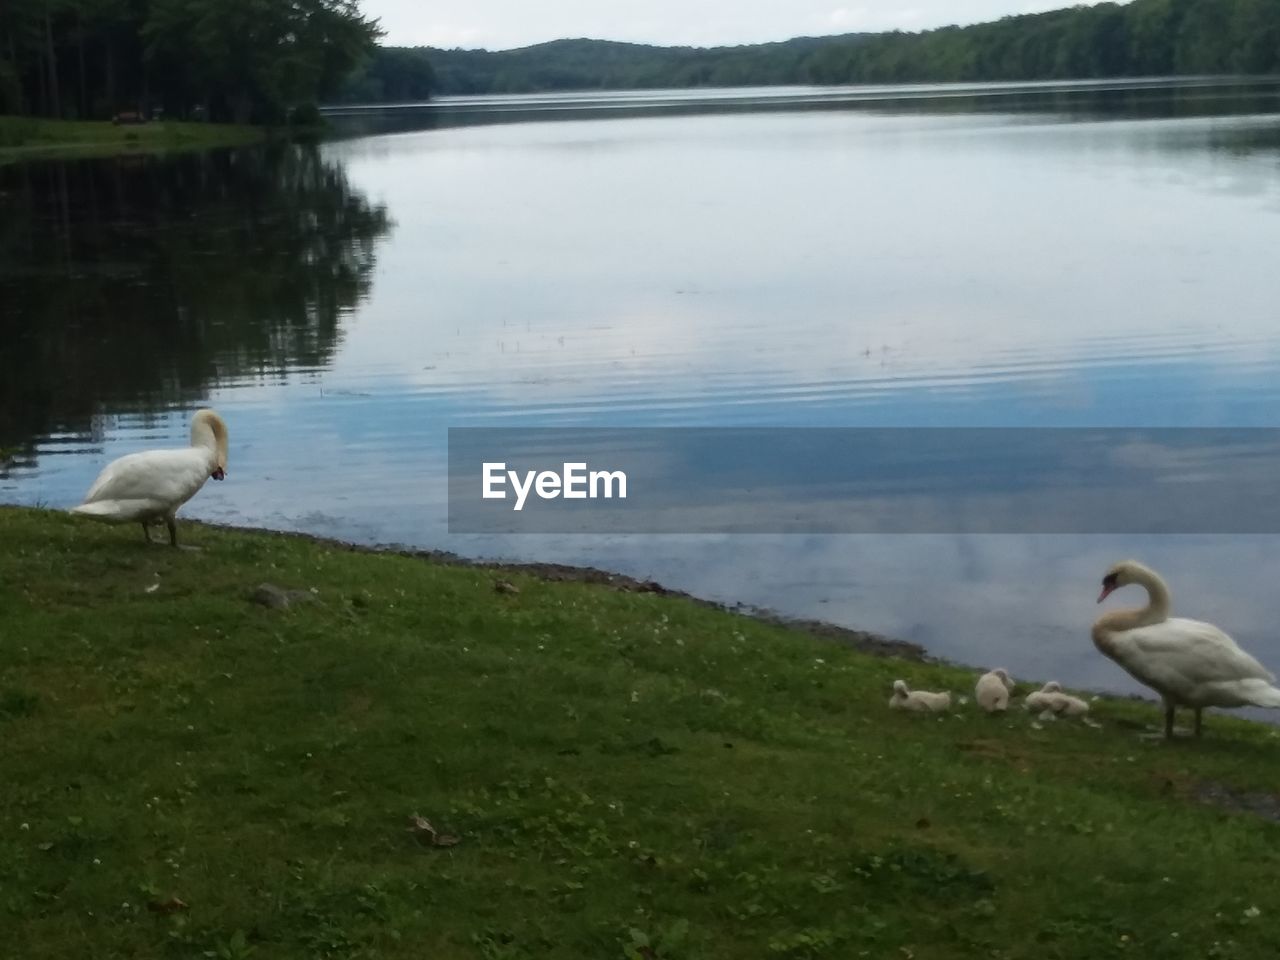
x=1177, y=653
x=163, y=479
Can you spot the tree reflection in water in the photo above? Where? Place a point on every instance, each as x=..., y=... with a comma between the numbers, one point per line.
x=142, y=283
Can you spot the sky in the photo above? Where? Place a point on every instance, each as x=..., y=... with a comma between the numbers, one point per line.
x=503, y=24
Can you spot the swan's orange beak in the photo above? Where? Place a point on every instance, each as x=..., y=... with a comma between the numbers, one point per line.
x=1106, y=592
x=218, y=474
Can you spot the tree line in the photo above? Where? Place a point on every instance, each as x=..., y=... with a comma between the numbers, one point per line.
x=239, y=60
x=258, y=60
x=1141, y=38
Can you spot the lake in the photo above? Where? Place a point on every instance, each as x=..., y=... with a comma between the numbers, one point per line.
x=1031, y=256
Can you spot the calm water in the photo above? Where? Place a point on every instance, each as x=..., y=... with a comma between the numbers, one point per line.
x=1007, y=256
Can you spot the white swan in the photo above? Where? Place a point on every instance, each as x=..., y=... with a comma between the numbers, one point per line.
x=1050, y=697
x=1039, y=701
x=918, y=700
x=1189, y=663
x=992, y=690
x=150, y=486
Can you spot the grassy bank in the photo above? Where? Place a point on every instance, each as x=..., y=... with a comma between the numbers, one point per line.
x=23, y=138
x=187, y=773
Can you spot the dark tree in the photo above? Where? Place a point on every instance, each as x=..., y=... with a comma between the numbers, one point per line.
x=234, y=59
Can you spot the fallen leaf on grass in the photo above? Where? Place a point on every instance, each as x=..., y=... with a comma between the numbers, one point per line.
x=171, y=905
x=421, y=828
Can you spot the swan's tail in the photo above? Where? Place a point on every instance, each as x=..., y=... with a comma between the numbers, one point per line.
x=108, y=511
x=1262, y=694
x=120, y=511
x=100, y=509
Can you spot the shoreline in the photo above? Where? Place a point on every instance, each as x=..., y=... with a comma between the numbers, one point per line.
x=860, y=641
x=863, y=641
x=39, y=138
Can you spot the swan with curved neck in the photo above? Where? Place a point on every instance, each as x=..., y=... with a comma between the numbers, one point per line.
x=1189, y=663
x=150, y=486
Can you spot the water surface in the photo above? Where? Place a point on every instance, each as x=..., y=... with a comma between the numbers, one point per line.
x=1031, y=256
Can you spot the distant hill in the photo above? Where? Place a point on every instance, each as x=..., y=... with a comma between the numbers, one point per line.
x=604, y=64
x=1141, y=38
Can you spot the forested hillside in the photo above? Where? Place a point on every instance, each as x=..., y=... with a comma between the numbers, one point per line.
x=576, y=64
x=1142, y=38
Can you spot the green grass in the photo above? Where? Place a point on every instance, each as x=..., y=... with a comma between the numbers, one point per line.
x=24, y=138
x=631, y=776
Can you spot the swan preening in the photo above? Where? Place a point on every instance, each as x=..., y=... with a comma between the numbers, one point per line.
x=1051, y=698
x=150, y=486
x=992, y=690
x=1189, y=663
x=918, y=700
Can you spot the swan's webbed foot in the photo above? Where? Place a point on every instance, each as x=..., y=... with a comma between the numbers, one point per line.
x=146, y=531
x=1198, y=721
x=1168, y=720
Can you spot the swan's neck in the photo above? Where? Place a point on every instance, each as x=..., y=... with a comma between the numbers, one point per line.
x=202, y=435
x=1156, y=610
x=210, y=435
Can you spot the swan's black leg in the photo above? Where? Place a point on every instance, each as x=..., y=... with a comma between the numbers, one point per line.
x=1168, y=720
x=173, y=531
x=1197, y=721
x=146, y=531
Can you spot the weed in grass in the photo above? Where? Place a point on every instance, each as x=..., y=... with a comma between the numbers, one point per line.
x=18, y=703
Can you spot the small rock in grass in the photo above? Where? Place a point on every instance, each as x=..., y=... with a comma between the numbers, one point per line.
x=277, y=598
